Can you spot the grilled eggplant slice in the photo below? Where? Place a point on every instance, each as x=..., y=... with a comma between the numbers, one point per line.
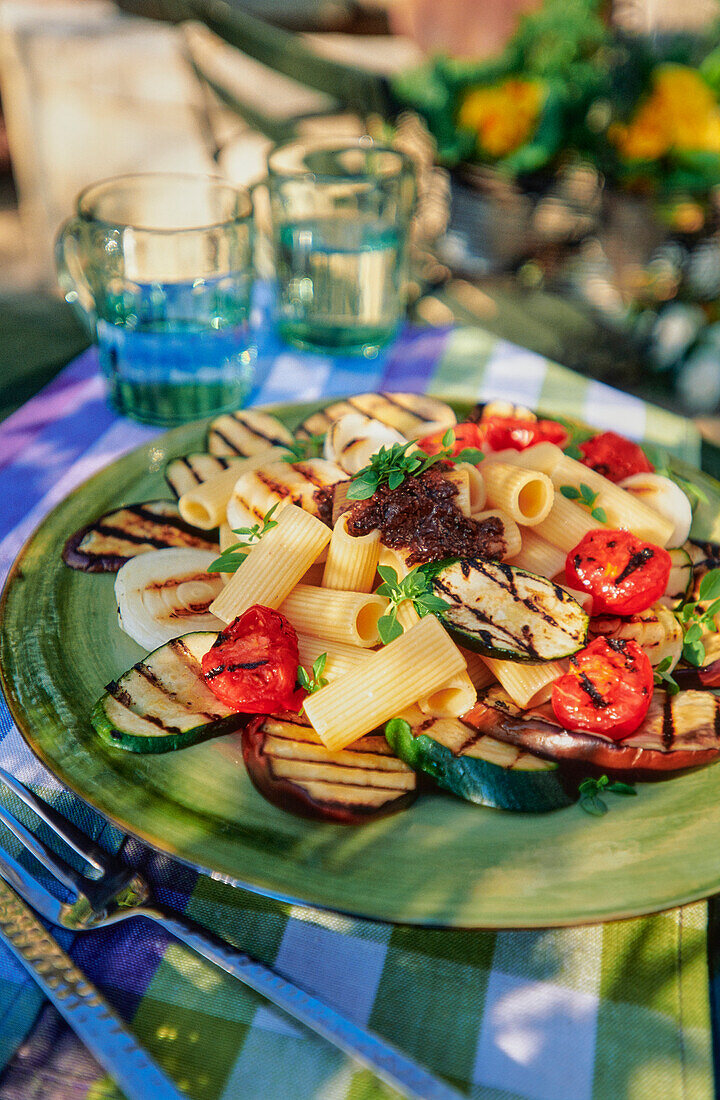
x=189, y=471
x=308, y=484
x=477, y=767
x=163, y=703
x=412, y=414
x=105, y=545
x=679, y=732
x=246, y=432
x=290, y=766
x=505, y=612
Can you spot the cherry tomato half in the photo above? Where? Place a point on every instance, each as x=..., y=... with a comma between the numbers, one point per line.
x=499, y=433
x=622, y=573
x=614, y=456
x=466, y=435
x=252, y=665
x=607, y=689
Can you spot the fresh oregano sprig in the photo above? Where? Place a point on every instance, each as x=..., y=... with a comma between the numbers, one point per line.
x=314, y=680
x=416, y=587
x=663, y=677
x=391, y=465
x=591, y=789
x=302, y=449
x=232, y=558
x=586, y=498
x=697, y=620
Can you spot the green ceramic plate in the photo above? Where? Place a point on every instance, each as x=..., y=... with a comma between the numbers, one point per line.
x=441, y=862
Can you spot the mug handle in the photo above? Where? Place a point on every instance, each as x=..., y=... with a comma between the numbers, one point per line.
x=71, y=273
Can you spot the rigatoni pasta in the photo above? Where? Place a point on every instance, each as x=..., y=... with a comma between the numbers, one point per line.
x=205, y=505
x=526, y=495
x=340, y=658
x=510, y=531
x=566, y=524
x=275, y=565
x=352, y=561
x=527, y=684
x=539, y=556
x=340, y=616
x=418, y=662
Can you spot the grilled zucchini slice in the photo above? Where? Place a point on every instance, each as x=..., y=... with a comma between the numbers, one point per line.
x=105, y=545
x=162, y=703
x=290, y=766
x=477, y=767
x=505, y=612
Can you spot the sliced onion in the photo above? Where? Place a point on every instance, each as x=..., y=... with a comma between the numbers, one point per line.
x=353, y=438
x=166, y=593
x=665, y=497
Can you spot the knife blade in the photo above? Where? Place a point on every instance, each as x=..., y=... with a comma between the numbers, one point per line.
x=80, y=1003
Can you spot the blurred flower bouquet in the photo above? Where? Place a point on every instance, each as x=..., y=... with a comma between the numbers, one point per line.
x=592, y=157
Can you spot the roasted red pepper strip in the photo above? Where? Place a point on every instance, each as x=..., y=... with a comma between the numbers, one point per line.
x=607, y=689
x=500, y=433
x=622, y=573
x=614, y=456
x=252, y=665
x=466, y=435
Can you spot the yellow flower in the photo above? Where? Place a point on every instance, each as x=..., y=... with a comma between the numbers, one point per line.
x=680, y=114
x=504, y=116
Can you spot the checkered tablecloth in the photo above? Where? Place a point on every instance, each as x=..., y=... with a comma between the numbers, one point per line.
x=594, y=1013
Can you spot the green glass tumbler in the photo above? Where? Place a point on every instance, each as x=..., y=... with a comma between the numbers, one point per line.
x=160, y=267
x=340, y=216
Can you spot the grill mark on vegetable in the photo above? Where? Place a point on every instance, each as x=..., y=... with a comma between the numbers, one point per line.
x=335, y=779
x=668, y=723
x=273, y=440
x=125, y=698
x=190, y=468
x=183, y=654
x=121, y=535
x=174, y=582
x=403, y=408
x=498, y=632
x=228, y=442
x=527, y=601
x=156, y=682
x=637, y=560
x=164, y=519
x=597, y=700
x=219, y=669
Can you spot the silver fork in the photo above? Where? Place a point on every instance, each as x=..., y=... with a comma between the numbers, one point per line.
x=118, y=893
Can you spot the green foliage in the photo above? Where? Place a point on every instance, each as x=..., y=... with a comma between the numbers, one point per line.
x=591, y=789
x=697, y=617
x=663, y=677
x=231, y=559
x=416, y=588
x=586, y=498
x=391, y=465
x=302, y=449
x=314, y=680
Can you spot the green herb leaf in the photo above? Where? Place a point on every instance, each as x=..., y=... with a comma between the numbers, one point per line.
x=232, y=558
x=599, y=514
x=710, y=586
x=663, y=677
x=620, y=788
x=570, y=492
x=588, y=496
x=315, y=680
x=573, y=451
x=389, y=628
x=302, y=449
x=591, y=804
x=469, y=454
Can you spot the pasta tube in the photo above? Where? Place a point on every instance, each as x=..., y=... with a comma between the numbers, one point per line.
x=526, y=495
x=542, y=456
x=476, y=485
x=205, y=505
x=621, y=507
x=461, y=480
x=275, y=564
x=511, y=531
x=341, y=658
x=351, y=562
x=566, y=524
x=538, y=556
x=528, y=685
x=416, y=663
x=477, y=670
x=396, y=559
x=340, y=616
x=453, y=697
